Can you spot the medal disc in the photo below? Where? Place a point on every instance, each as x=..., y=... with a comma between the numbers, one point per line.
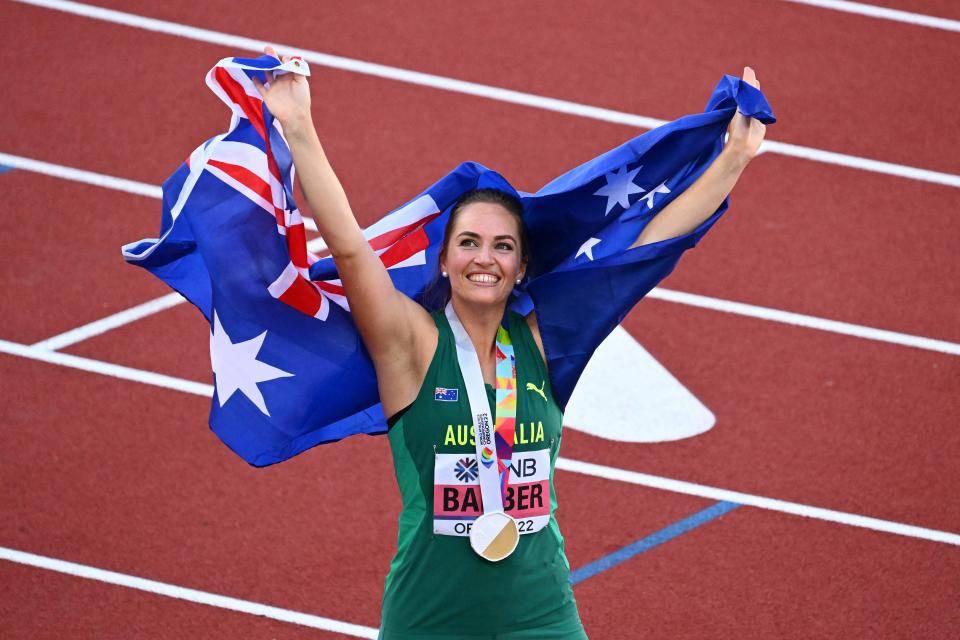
x=494, y=536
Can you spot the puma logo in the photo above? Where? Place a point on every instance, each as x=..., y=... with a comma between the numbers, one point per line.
x=533, y=387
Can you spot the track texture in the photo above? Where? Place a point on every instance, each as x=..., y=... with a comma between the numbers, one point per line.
x=124, y=476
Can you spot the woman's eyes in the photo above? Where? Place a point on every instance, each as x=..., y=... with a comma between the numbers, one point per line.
x=502, y=246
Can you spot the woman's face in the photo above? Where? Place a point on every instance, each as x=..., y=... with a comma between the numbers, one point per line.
x=483, y=256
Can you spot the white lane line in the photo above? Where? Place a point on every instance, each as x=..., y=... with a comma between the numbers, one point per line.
x=106, y=368
x=884, y=13
x=809, y=322
x=110, y=322
x=95, y=179
x=770, y=504
x=576, y=466
x=717, y=304
x=856, y=162
x=183, y=593
x=469, y=88
x=79, y=175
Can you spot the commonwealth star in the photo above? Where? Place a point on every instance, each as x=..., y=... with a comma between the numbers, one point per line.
x=237, y=368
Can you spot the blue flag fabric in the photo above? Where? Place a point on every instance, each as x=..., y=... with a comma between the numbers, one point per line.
x=290, y=369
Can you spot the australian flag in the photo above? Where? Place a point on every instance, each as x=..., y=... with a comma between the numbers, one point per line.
x=445, y=395
x=290, y=369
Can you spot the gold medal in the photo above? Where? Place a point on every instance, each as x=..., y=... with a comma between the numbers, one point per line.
x=494, y=536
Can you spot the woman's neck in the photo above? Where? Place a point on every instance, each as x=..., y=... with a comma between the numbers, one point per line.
x=480, y=322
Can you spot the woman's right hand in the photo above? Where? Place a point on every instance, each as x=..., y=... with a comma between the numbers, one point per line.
x=745, y=134
x=287, y=96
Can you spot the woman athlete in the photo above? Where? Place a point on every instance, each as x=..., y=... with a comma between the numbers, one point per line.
x=437, y=587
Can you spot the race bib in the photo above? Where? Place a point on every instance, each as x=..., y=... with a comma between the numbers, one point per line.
x=456, y=492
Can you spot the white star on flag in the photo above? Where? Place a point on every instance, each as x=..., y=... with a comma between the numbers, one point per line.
x=619, y=188
x=587, y=248
x=661, y=188
x=237, y=368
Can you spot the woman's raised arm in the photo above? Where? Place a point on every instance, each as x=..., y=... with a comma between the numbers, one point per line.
x=394, y=327
x=702, y=198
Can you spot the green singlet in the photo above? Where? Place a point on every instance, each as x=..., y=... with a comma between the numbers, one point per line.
x=438, y=588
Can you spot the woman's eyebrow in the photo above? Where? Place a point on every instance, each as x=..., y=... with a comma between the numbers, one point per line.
x=477, y=235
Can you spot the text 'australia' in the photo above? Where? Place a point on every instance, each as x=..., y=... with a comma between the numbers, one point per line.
x=461, y=435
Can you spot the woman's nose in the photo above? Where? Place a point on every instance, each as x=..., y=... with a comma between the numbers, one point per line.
x=484, y=256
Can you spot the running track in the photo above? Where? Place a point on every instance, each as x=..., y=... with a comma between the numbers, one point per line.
x=124, y=476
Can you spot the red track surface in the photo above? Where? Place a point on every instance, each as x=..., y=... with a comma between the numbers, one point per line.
x=125, y=477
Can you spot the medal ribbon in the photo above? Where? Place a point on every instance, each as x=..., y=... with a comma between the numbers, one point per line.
x=494, y=442
x=506, y=423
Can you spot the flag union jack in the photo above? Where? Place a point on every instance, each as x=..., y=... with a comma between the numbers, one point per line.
x=445, y=395
x=290, y=367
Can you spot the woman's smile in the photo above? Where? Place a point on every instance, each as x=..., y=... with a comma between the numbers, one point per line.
x=483, y=278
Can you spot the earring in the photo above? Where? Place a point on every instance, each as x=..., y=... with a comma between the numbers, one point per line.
x=519, y=280
x=443, y=273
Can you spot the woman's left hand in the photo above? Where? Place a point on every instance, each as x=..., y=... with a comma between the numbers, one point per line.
x=744, y=133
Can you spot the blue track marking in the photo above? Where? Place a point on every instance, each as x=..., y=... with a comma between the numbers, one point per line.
x=645, y=544
x=4, y=168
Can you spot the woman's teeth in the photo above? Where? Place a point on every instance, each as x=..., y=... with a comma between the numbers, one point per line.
x=482, y=277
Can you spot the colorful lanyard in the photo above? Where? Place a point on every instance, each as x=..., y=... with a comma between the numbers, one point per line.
x=506, y=421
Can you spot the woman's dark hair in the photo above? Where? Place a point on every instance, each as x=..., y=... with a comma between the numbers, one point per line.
x=437, y=293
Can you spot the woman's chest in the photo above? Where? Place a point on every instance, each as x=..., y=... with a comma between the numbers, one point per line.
x=441, y=419
x=443, y=440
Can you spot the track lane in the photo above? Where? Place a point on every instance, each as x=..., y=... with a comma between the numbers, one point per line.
x=876, y=67
x=801, y=221
x=803, y=416
x=358, y=171
x=52, y=606
x=834, y=243
x=819, y=419
x=175, y=343
x=134, y=485
x=523, y=166
x=751, y=574
x=781, y=246
x=60, y=255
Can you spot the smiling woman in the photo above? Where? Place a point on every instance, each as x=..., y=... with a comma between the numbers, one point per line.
x=483, y=205
x=485, y=243
x=475, y=426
